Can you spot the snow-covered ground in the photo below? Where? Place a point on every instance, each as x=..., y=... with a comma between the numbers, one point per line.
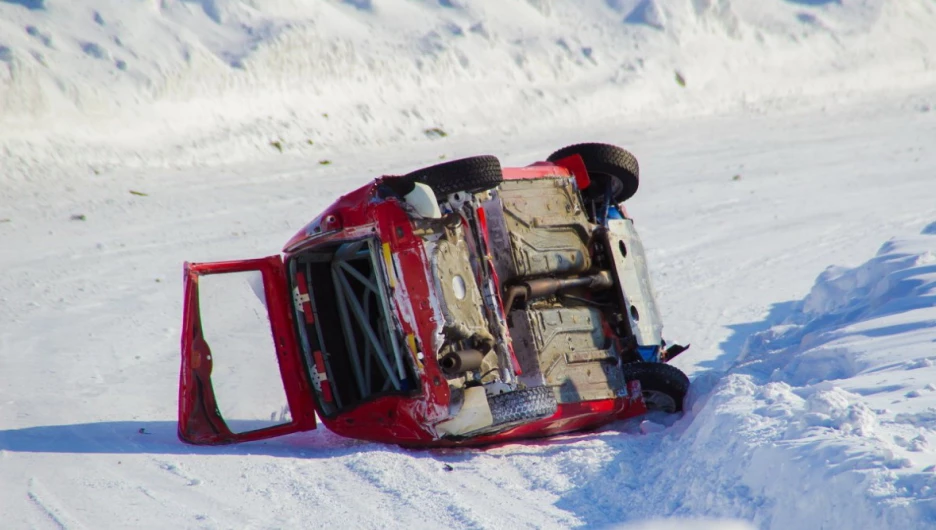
x=788, y=206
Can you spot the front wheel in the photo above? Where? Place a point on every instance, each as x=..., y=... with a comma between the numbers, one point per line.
x=664, y=387
x=472, y=175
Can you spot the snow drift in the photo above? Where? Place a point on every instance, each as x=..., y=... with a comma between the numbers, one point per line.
x=827, y=422
x=837, y=398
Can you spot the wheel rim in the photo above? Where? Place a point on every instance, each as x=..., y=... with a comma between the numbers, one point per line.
x=655, y=400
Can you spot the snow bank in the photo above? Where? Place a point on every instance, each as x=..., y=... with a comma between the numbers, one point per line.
x=829, y=420
x=173, y=82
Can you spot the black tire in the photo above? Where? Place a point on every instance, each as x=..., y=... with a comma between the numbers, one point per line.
x=606, y=165
x=522, y=405
x=664, y=386
x=472, y=175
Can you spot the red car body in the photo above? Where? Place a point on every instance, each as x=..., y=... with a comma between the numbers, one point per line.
x=371, y=266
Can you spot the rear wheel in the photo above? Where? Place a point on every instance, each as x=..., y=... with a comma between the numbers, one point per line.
x=472, y=175
x=664, y=387
x=608, y=166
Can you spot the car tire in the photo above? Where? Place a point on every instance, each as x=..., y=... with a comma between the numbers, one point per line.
x=664, y=387
x=472, y=175
x=606, y=165
x=522, y=405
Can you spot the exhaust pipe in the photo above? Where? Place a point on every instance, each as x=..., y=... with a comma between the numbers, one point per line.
x=461, y=361
x=543, y=287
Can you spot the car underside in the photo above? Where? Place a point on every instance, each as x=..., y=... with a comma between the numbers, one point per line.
x=463, y=303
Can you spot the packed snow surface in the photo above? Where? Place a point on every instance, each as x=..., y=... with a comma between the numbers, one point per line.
x=787, y=204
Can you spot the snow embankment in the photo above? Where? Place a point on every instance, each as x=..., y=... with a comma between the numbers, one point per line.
x=829, y=420
x=173, y=82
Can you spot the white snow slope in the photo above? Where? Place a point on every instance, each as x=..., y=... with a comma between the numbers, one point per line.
x=787, y=203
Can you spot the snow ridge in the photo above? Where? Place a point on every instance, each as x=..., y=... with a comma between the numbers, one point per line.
x=219, y=80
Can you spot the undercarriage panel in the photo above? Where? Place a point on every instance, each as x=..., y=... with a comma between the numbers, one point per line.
x=564, y=348
x=545, y=226
x=461, y=298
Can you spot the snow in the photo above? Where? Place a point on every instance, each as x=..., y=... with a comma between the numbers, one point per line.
x=99, y=84
x=786, y=207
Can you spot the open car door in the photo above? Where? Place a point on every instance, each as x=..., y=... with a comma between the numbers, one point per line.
x=258, y=400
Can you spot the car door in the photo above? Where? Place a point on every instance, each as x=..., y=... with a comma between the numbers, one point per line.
x=205, y=396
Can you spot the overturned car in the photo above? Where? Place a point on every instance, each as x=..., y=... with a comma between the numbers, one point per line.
x=460, y=304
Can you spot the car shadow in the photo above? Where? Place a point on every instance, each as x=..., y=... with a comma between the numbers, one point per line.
x=159, y=437
x=32, y=5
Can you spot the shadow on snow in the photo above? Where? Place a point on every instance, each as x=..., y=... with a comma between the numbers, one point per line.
x=159, y=437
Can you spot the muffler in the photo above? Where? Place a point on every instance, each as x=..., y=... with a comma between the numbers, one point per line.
x=459, y=362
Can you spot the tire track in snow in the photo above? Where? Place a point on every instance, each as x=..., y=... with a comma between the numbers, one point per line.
x=381, y=470
x=49, y=505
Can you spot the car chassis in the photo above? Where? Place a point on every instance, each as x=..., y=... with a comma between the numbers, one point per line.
x=461, y=304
